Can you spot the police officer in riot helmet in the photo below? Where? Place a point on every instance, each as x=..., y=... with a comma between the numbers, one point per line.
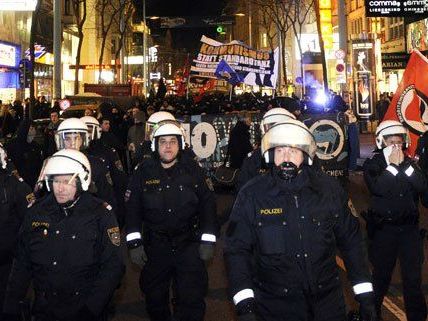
x=144, y=150
x=282, y=237
x=176, y=206
x=74, y=133
x=68, y=248
x=396, y=183
x=254, y=164
x=112, y=161
x=15, y=194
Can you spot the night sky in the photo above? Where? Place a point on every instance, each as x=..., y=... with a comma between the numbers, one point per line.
x=184, y=38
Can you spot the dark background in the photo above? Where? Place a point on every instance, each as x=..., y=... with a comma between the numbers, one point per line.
x=181, y=38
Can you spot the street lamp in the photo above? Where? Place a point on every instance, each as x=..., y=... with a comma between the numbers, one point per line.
x=145, y=50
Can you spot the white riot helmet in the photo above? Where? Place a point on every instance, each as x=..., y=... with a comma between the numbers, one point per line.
x=3, y=157
x=391, y=128
x=167, y=129
x=94, y=128
x=72, y=133
x=273, y=116
x=155, y=119
x=67, y=162
x=292, y=133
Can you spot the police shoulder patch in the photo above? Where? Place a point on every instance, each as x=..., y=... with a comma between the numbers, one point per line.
x=108, y=177
x=30, y=198
x=118, y=165
x=209, y=184
x=114, y=235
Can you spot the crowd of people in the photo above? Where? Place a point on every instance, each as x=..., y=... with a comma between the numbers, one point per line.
x=68, y=202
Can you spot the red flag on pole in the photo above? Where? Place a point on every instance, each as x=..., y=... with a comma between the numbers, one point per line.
x=410, y=102
x=210, y=84
x=182, y=83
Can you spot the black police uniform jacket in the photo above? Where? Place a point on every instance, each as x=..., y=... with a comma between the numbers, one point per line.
x=394, y=190
x=14, y=197
x=252, y=166
x=283, y=236
x=102, y=180
x=72, y=256
x=170, y=201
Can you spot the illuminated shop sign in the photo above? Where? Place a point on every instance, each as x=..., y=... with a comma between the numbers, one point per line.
x=396, y=8
x=9, y=55
x=18, y=5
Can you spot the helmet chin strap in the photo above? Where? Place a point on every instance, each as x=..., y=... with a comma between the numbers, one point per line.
x=287, y=171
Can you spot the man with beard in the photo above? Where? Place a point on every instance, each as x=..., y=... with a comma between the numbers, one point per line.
x=282, y=237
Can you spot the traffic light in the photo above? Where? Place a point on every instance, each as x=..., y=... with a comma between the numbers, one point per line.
x=24, y=73
x=221, y=30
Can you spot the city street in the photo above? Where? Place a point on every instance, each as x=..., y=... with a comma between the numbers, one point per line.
x=128, y=304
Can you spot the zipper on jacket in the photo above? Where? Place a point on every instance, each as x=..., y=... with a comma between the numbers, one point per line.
x=296, y=201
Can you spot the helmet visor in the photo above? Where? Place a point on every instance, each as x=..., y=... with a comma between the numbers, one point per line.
x=291, y=135
x=72, y=140
x=269, y=121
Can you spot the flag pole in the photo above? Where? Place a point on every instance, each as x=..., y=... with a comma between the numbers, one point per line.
x=188, y=77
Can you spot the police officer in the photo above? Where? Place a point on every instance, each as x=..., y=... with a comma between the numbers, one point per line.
x=177, y=209
x=144, y=149
x=395, y=184
x=281, y=240
x=14, y=197
x=254, y=164
x=68, y=247
x=73, y=133
x=112, y=161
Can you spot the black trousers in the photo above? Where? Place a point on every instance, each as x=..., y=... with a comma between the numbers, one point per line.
x=4, y=276
x=182, y=268
x=390, y=243
x=299, y=306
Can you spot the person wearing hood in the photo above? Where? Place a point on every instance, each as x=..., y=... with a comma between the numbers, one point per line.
x=239, y=142
x=25, y=153
x=136, y=134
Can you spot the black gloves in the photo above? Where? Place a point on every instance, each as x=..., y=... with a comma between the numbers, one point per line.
x=246, y=310
x=206, y=251
x=367, y=306
x=86, y=315
x=9, y=317
x=138, y=256
x=247, y=317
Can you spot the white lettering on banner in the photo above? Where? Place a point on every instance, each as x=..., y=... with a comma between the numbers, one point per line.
x=204, y=140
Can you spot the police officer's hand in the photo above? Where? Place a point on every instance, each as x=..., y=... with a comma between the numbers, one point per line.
x=138, y=256
x=367, y=307
x=9, y=317
x=206, y=251
x=246, y=310
x=86, y=315
x=247, y=317
x=397, y=155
